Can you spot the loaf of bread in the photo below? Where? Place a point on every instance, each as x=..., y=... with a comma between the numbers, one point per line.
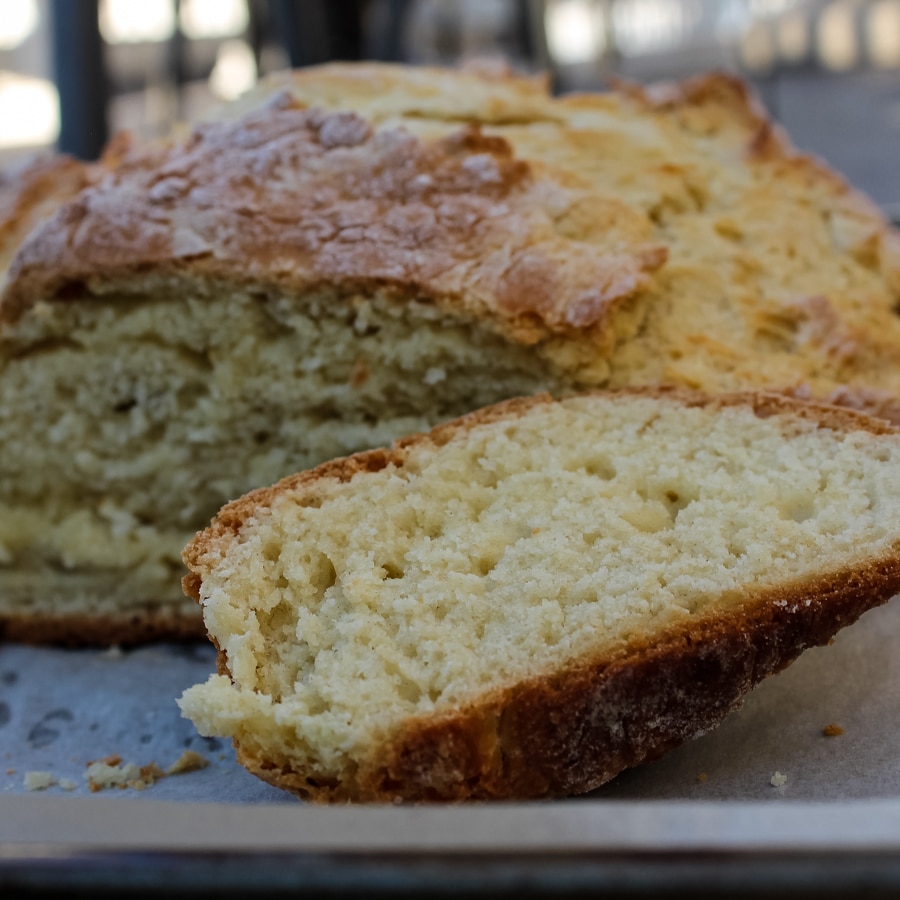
x=358, y=252
x=525, y=601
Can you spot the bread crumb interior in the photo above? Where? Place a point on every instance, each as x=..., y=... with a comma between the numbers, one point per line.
x=146, y=415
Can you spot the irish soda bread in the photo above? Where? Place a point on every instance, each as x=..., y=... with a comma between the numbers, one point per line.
x=359, y=252
x=525, y=601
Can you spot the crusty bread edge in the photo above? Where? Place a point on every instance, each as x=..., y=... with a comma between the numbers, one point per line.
x=572, y=731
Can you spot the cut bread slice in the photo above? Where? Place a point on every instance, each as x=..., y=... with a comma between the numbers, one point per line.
x=527, y=600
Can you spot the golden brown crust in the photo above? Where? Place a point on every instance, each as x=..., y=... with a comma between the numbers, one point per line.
x=298, y=198
x=716, y=101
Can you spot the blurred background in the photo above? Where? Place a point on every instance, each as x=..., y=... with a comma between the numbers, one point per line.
x=74, y=72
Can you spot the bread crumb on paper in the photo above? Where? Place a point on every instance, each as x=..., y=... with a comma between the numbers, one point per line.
x=189, y=761
x=778, y=780
x=109, y=772
x=39, y=781
x=832, y=730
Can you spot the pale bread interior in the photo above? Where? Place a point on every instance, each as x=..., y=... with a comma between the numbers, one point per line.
x=143, y=418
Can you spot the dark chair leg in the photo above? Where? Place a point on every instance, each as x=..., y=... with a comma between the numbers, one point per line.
x=80, y=75
x=386, y=41
x=302, y=27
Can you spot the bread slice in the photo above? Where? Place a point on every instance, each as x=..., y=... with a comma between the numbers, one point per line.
x=527, y=600
x=360, y=252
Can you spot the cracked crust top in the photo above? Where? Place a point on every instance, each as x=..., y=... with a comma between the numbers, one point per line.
x=298, y=198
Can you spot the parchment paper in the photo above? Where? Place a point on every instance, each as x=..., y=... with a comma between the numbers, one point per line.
x=61, y=709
